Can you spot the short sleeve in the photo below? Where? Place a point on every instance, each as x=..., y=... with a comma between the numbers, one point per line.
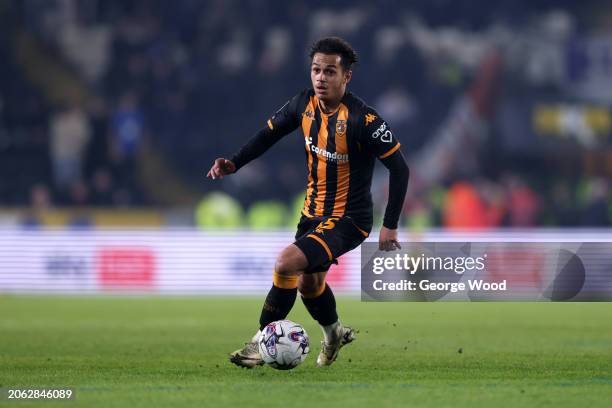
x=286, y=119
x=377, y=135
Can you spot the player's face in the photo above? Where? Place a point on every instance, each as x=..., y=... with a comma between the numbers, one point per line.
x=328, y=77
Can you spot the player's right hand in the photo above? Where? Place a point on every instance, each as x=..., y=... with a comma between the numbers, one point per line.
x=220, y=168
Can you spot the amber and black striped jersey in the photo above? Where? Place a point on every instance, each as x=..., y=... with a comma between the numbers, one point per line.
x=341, y=149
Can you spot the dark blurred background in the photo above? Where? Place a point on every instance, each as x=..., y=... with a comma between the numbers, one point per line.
x=112, y=111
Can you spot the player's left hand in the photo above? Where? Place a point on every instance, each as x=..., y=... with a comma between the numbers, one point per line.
x=387, y=240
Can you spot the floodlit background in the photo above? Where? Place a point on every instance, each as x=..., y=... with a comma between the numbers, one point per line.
x=112, y=112
x=128, y=276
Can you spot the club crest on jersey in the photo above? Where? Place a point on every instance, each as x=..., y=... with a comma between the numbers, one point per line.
x=341, y=127
x=369, y=118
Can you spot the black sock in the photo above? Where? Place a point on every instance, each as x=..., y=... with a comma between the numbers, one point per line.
x=323, y=307
x=277, y=305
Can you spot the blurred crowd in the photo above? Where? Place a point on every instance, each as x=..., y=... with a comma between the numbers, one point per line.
x=195, y=79
x=464, y=204
x=511, y=202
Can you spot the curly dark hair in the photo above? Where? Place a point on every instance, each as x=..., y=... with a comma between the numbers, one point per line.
x=335, y=46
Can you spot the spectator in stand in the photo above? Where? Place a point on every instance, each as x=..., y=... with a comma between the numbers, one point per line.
x=79, y=194
x=40, y=197
x=40, y=202
x=524, y=204
x=563, y=205
x=70, y=133
x=127, y=134
x=127, y=128
x=596, y=212
x=495, y=201
x=102, y=188
x=98, y=151
x=465, y=207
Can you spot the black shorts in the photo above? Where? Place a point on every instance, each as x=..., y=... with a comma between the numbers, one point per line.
x=323, y=239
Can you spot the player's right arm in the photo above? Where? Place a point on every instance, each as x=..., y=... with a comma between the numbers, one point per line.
x=383, y=144
x=283, y=122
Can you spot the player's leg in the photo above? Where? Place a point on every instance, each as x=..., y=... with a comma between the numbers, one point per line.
x=321, y=304
x=289, y=264
x=323, y=244
x=318, y=298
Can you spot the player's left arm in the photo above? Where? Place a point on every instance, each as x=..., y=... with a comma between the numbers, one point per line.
x=383, y=143
x=398, y=184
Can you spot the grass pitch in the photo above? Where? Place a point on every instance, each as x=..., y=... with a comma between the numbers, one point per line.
x=172, y=352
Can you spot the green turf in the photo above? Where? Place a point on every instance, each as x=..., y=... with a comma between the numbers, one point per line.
x=171, y=352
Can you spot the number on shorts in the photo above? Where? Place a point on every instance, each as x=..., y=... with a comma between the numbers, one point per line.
x=328, y=224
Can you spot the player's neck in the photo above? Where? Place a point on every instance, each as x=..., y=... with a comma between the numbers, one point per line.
x=329, y=107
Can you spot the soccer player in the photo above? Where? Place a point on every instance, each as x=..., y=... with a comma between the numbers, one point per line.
x=342, y=137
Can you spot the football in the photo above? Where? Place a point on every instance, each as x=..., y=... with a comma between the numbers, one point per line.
x=283, y=344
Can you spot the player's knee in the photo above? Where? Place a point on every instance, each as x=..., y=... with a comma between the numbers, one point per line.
x=284, y=266
x=290, y=262
x=307, y=288
x=310, y=286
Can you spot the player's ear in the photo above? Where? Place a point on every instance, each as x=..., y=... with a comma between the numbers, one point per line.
x=348, y=74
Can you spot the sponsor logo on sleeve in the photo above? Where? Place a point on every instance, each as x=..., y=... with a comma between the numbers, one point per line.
x=384, y=133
